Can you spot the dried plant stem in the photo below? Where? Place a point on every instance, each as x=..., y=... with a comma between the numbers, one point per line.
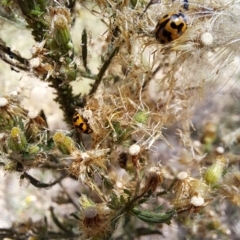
x=39, y=184
x=103, y=70
x=23, y=62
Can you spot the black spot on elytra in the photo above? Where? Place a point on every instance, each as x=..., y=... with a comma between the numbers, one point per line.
x=167, y=34
x=160, y=27
x=178, y=27
x=75, y=118
x=80, y=126
x=165, y=16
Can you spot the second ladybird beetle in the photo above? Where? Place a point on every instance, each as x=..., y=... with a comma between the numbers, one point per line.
x=170, y=27
x=81, y=124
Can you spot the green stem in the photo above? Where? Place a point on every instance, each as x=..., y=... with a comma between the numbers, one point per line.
x=103, y=70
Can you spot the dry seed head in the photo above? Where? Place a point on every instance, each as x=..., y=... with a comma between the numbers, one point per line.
x=182, y=175
x=197, y=201
x=154, y=179
x=134, y=150
x=3, y=102
x=53, y=11
x=182, y=187
x=199, y=187
x=38, y=49
x=219, y=150
x=34, y=126
x=95, y=220
x=35, y=62
x=10, y=108
x=230, y=188
x=85, y=161
x=206, y=39
x=32, y=114
x=90, y=212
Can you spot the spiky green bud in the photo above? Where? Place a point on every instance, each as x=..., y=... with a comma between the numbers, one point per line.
x=17, y=140
x=214, y=172
x=32, y=149
x=65, y=144
x=141, y=117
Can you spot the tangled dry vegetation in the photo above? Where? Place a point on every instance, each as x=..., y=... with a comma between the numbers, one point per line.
x=162, y=140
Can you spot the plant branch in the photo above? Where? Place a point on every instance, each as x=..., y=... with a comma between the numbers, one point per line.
x=103, y=70
x=39, y=184
x=23, y=62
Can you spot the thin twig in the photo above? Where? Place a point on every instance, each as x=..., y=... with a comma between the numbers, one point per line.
x=6, y=50
x=57, y=222
x=39, y=184
x=69, y=197
x=103, y=70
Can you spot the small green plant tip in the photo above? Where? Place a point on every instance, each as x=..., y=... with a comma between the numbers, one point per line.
x=134, y=2
x=32, y=149
x=65, y=144
x=17, y=140
x=27, y=7
x=69, y=73
x=61, y=30
x=141, y=117
x=85, y=203
x=215, y=172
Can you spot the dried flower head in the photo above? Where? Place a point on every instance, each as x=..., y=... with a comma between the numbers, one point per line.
x=207, y=39
x=230, y=187
x=34, y=126
x=134, y=151
x=182, y=187
x=154, y=179
x=95, y=219
x=86, y=164
x=10, y=110
x=190, y=194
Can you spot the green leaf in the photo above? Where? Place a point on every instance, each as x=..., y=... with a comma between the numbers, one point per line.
x=151, y=217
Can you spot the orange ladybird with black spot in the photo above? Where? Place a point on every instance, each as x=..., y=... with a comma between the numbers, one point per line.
x=81, y=124
x=170, y=27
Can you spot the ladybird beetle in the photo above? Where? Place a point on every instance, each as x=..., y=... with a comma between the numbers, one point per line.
x=81, y=124
x=170, y=27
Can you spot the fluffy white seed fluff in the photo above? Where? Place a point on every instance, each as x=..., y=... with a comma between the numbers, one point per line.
x=197, y=201
x=182, y=175
x=207, y=39
x=32, y=114
x=90, y=212
x=134, y=150
x=3, y=102
x=220, y=150
x=35, y=62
